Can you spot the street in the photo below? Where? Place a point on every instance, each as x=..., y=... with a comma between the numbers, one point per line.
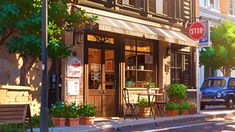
x=218, y=125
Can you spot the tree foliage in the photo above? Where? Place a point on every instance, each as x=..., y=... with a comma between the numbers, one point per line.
x=21, y=28
x=221, y=55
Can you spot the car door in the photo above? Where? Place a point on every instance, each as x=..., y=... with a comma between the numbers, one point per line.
x=231, y=85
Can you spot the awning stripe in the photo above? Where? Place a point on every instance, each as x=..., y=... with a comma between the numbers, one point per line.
x=140, y=30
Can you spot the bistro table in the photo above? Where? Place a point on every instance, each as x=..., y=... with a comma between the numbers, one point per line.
x=154, y=95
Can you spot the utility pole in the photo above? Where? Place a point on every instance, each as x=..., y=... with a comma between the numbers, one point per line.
x=44, y=109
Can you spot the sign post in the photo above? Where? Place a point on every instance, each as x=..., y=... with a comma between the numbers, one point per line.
x=197, y=31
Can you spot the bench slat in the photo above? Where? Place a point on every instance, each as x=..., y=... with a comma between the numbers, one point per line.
x=11, y=121
x=11, y=117
x=11, y=113
x=12, y=106
x=11, y=109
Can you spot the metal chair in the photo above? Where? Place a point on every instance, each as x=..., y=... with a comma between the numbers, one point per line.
x=131, y=106
x=159, y=107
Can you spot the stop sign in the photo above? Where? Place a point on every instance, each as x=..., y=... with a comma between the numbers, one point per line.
x=197, y=30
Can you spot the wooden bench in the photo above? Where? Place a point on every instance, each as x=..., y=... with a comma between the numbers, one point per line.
x=16, y=113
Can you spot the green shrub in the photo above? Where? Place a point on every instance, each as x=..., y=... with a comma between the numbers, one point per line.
x=72, y=110
x=143, y=103
x=10, y=127
x=36, y=122
x=58, y=110
x=177, y=91
x=172, y=106
x=185, y=106
x=87, y=109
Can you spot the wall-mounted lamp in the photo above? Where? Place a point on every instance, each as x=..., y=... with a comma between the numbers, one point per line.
x=168, y=50
x=77, y=37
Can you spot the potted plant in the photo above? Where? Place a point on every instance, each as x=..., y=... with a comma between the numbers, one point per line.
x=130, y=84
x=72, y=115
x=177, y=93
x=88, y=112
x=143, y=107
x=172, y=108
x=150, y=86
x=184, y=108
x=193, y=108
x=57, y=113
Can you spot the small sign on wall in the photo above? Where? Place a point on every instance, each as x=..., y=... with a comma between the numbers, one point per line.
x=73, y=87
x=74, y=67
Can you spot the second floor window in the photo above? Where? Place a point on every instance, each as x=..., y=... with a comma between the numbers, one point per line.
x=158, y=6
x=133, y=3
x=213, y=4
x=231, y=7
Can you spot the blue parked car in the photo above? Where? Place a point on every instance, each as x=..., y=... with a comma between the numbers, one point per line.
x=218, y=91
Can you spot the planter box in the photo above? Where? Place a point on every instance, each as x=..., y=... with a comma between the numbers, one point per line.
x=172, y=112
x=58, y=121
x=72, y=122
x=86, y=120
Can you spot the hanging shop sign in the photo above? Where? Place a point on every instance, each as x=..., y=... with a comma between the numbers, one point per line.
x=205, y=40
x=74, y=67
x=73, y=87
x=197, y=30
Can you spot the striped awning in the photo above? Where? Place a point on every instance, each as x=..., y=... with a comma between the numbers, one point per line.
x=141, y=30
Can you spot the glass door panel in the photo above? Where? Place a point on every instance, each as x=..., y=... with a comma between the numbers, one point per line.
x=94, y=62
x=109, y=69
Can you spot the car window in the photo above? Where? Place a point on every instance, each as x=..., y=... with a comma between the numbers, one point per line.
x=214, y=82
x=232, y=83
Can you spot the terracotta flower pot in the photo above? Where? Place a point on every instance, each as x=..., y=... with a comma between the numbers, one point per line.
x=172, y=112
x=143, y=112
x=192, y=111
x=83, y=120
x=185, y=112
x=72, y=122
x=58, y=121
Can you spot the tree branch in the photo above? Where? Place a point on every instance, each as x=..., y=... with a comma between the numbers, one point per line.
x=5, y=37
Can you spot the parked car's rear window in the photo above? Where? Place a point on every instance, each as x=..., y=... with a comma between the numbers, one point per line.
x=214, y=82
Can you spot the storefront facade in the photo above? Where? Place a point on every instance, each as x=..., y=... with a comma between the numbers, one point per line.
x=129, y=43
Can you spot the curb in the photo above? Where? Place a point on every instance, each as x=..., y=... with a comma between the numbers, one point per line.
x=178, y=119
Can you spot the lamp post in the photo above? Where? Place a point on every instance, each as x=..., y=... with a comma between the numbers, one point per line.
x=44, y=93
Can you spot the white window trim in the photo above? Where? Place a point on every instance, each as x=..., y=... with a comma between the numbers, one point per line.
x=232, y=15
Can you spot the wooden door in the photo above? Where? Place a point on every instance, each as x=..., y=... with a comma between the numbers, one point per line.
x=101, y=90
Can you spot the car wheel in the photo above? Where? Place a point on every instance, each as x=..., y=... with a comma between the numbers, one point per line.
x=202, y=106
x=229, y=103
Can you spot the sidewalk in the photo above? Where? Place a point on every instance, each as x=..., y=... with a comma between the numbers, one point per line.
x=112, y=125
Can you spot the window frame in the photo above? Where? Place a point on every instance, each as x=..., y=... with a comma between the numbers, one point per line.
x=206, y=3
x=136, y=69
x=233, y=8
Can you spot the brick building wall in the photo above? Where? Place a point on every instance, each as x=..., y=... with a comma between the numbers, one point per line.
x=79, y=49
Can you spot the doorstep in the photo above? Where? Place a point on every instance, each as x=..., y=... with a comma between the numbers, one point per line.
x=107, y=124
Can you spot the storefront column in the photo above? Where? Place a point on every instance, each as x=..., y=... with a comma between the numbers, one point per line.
x=164, y=65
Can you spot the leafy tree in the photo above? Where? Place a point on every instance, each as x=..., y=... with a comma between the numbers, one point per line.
x=21, y=29
x=221, y=55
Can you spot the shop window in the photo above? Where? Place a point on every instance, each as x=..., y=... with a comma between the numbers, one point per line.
x=100, y=39
x=139, y=61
